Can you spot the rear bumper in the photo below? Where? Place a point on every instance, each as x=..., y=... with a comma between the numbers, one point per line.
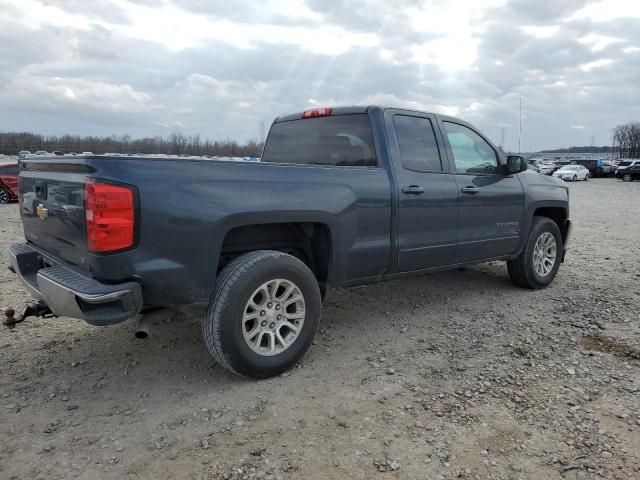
x=71, y=294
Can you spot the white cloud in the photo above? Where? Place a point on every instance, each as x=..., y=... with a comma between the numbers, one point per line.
x=541, y=31
x=607, y=10
x=599, y=42
x=178, y=29
x=601, y=62
x=61, y=93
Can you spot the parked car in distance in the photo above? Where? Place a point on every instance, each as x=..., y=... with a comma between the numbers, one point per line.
x=546, y=168
x=380, y=193
x=572, y=173
x=57, y=152
x=596, y=167
x=41, y=152
x=86, y=153
x=24, y=153
x=629, y=174
x=8, y=182
x=533, y=166
x=625, y=163
x=608, y=168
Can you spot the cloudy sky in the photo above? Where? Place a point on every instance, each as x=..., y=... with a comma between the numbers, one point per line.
x=221, y=67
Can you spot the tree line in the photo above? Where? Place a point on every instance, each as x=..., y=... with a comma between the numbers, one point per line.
x=626, y=140
x=606, y=150
x=175, y=144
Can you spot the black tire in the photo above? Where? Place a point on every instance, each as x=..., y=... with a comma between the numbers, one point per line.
x=222, y=325
x=575, y=178
x=5, y=197
x=627, y=177
x=586, y=178
x=521, y=269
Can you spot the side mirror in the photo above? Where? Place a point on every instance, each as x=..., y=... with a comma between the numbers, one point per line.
x=516, y=164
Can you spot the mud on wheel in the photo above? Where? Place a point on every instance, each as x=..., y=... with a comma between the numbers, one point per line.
x=263, y=315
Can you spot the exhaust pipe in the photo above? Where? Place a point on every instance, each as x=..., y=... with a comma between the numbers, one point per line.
x=145, y=321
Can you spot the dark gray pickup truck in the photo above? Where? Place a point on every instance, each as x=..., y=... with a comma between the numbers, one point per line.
x=341, y=197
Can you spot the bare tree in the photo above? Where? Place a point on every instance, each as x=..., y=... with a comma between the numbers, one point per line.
x=626, y=139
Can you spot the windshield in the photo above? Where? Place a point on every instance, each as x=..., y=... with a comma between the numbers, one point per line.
x=340, y=140
x=624, y=164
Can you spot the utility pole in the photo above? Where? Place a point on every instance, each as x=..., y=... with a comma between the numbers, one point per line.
x=502, y=134
x=593, y=140
x=262, y=132
x=520, y=129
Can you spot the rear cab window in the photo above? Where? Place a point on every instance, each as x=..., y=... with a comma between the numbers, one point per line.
x=417, y=144
x=338, y=140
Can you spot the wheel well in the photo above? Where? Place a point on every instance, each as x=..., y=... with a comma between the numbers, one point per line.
x=307, y=241
x=558, y=215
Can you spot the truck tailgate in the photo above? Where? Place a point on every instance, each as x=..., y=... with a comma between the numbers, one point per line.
x=52, y=207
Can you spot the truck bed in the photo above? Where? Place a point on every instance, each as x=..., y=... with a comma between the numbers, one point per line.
x=187, y=206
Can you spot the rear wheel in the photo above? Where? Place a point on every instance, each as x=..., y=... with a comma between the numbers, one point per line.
x=263, y=315
x=538, y=264
x=627, y=177
x=586, y=177
x=575, y=178
x=4, y=196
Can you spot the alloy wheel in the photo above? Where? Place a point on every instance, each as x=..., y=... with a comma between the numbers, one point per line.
x=273, y=317
x=544, y=254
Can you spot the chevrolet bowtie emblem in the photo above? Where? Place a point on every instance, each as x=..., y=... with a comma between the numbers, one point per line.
x=42, y=212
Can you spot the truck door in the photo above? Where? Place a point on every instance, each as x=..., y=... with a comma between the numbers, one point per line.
x=427, y=192
x=491, y=203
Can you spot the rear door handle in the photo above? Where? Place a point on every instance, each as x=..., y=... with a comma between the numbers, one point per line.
x=413, y=190
x=470, y=190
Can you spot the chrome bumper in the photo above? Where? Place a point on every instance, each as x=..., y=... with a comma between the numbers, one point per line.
x=71, y=294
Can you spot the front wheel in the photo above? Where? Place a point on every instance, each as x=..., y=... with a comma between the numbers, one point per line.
x=575, y=178
x=627, y=177
x=4, y=196
x=586, y=177
x=264, y=314
x=538, y=264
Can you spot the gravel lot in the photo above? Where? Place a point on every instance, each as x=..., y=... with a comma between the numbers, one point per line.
x=450, y=375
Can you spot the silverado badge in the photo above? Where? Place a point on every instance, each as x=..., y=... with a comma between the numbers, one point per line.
x=42, y=212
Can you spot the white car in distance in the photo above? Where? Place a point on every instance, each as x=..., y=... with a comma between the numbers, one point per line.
x=572, y=173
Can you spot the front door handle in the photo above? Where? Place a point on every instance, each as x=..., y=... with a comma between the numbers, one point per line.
x=470, y=190
x=413, y=190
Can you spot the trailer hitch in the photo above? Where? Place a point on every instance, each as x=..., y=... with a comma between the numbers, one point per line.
x=30, y=310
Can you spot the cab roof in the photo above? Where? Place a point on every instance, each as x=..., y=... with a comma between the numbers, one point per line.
x=353, y=109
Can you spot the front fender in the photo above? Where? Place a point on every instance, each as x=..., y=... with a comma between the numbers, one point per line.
x=547, y=196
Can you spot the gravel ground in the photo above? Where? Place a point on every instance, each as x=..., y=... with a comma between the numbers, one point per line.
x=451, y=375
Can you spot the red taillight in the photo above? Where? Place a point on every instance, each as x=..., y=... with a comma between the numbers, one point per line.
x=109, y=215
x=316, y=112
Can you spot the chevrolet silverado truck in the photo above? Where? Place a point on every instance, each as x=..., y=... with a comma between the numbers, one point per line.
x=340, y=197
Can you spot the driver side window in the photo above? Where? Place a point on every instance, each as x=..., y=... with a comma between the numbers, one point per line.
x=471, y=153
